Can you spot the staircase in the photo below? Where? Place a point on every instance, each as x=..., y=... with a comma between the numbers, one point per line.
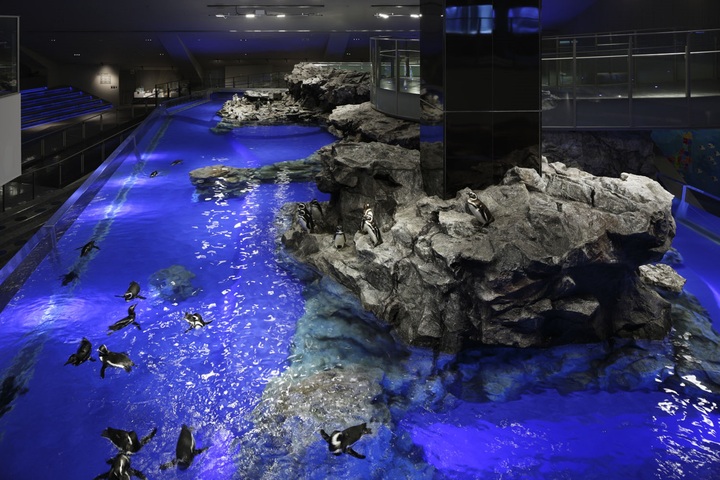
x=39, y=106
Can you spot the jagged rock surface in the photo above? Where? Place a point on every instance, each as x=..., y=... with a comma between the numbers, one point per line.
x=607, y=154
x=558, y=265
x=364, y=123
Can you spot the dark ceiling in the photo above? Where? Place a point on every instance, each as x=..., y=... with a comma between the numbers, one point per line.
x=159, y=34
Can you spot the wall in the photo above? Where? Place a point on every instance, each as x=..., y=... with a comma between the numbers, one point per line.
x=103, y=81
x=638, y=15
x=693, y=156
x=10, y=140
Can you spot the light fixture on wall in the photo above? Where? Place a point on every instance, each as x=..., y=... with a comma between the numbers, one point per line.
x=277, y=11
x=393, y=10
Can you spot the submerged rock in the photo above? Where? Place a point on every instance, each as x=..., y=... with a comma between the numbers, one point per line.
x=173, y=284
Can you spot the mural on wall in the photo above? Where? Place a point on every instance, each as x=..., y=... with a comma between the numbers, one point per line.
x=694, y=154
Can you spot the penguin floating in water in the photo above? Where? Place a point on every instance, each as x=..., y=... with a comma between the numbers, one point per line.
x=82, y=354
x=185, y=450
x=479, y=210
x=87, y=248
x=177, y=162
x=339, y=237
x=304, y=218
x=154, y=174
x=370, y=227
x=113, y=359
x=127, y=442
x=132, y=292
x=69, y=277
x=341, y=441
x=195, y=320
x=124, y=322
x=120, y=469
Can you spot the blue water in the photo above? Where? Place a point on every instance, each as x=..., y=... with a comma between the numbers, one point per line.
x=212, y=378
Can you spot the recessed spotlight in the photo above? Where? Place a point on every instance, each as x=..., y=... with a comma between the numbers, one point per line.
x=76, y=54
x=148, y=39
x=383, y=15
x=233, y=31
x=249, y=15
x=415, y=15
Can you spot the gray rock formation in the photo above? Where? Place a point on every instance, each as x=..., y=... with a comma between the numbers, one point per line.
x=364, y=123
x=662, y=276
x=607, y=154
x=228, y=182
x=558, y=265
x=324, y=88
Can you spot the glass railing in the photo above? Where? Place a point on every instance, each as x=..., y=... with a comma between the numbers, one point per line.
x=632, y=80
x=395, y=79
x=694, y=207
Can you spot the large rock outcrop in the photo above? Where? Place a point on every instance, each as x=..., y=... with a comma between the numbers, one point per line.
x=558, y=265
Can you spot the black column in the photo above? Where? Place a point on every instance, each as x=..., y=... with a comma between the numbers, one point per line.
x=481, y=91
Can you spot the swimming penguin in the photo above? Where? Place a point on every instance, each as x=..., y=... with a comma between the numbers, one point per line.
x=120, y=469
x=195, y=320
x=304, y=218
x=154, y=174
x=69, y=277
x=316, y=212
x=176, y=162
x=132, y=292
x=82, y=354
x=339, y=237
x=185, y=450
x=126, y=441
x=113, y=359
x=87, y=248
x=369, y=227
x=124, y=322
x=479, y=210
x=340, y=442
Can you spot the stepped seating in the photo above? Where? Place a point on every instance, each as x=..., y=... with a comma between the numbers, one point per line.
x=39, y=106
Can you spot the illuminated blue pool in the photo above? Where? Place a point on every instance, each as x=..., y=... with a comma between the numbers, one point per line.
x=212, y=378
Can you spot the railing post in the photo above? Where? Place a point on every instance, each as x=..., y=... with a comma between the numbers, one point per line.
x=50, y=229
x=630, y=80
x=574, y=84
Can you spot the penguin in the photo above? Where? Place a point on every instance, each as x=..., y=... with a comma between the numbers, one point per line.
x=69, y=277
x=479, y=210
x=304, y=218
x=113, y=359
x=9, y=391
x=126, y=441
x=195, y=320
x=154, y=174
x=82, y=354
x=120, y=469
x=124, y=322
x=87, y=248
x=366, y=209
x=185, y=450
x=339, y=237
x=177, y=162
x=340, y=442
x=132, y=292
x=316, y=212
x=369, y=227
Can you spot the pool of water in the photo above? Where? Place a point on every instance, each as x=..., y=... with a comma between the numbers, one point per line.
x=211, y=378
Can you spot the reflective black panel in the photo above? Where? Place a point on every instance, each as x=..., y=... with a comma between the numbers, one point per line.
x=468, y=151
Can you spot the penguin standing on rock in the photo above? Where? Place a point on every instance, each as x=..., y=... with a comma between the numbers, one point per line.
x=341, y=441
x=370, y=227
x=316, y=212
x=479, y=210
x=304, y=218
x=339, y=237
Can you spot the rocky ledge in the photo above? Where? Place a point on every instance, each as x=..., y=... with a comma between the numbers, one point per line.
x=560, y=263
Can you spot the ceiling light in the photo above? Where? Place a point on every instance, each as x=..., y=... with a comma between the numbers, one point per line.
x=382, y=15
x=280, y=15
x=415, y=15
x=249, y=15
x=221, y=15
